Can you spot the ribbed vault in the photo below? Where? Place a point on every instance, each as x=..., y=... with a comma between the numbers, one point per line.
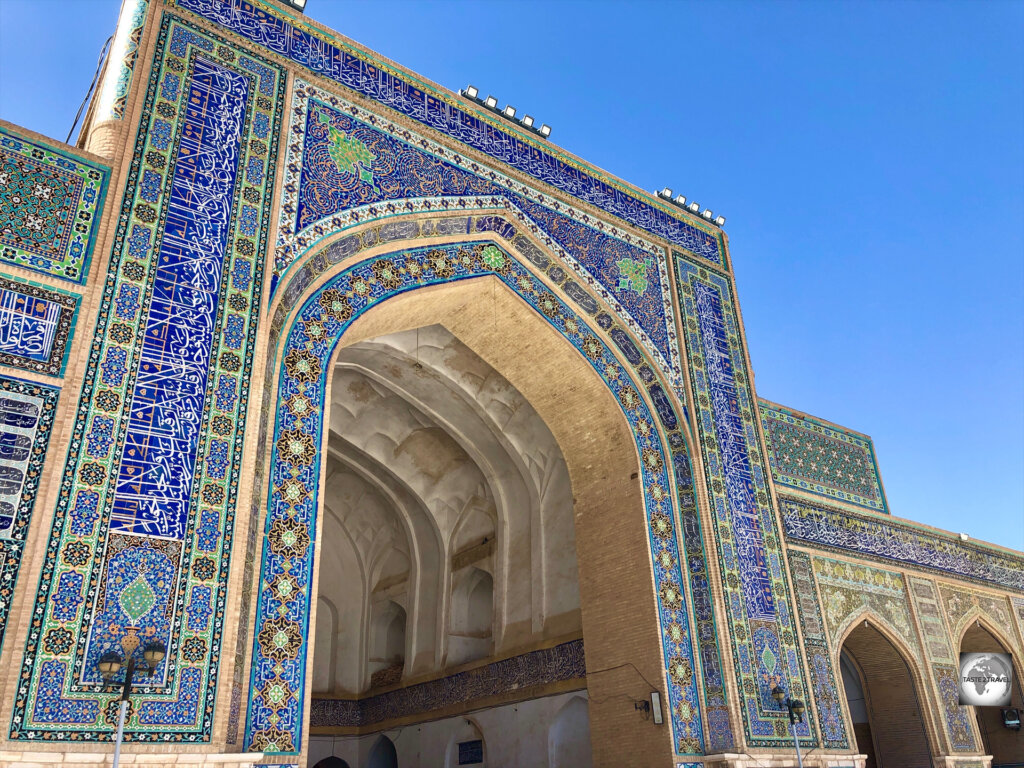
x=448, y=530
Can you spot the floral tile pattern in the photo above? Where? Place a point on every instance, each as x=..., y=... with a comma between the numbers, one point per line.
x=50, y=207
x=809, y=455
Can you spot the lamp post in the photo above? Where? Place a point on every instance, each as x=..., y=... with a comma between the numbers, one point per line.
x=796, y=715
x=110, y=664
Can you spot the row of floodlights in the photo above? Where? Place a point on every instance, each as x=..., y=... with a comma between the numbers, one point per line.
x=491, y=103
x=692, y=207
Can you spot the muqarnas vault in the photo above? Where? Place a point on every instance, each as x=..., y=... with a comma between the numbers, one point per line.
x=417, y=441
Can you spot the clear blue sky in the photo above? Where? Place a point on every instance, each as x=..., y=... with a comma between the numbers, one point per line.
x=869, y=157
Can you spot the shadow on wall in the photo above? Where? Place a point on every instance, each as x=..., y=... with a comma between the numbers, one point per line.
x=332, y=762
x=880, y=687
x=383, y=754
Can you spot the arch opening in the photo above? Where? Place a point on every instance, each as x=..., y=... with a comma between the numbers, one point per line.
x=585, y=418
x=884, y=701
x=1004, y=744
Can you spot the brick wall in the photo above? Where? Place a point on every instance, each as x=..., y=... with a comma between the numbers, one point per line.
x=893, y=703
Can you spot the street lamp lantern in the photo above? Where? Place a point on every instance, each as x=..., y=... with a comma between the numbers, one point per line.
x=796, y=710
x=110, y=664
x=154, y=653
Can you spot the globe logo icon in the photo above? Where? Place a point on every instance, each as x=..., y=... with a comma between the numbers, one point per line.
x=985, y=679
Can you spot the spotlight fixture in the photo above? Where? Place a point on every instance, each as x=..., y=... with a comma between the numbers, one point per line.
x=720, y=221
x=298, y=5
x=472, y=93
x=693, y=207
x=667, y=193
x=707, y=214
x=680, y=201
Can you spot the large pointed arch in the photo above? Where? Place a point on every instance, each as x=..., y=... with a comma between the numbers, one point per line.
x=276, y=708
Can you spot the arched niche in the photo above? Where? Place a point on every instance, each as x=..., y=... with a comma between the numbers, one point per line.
x=383, y=754
x=882, y=690
x=472, y=616
x=466, y=746
x=569, y=736
x=610, y=438
x=387, y=644
x=326, y=643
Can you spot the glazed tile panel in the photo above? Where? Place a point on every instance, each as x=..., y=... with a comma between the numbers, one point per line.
x=346, y=166
x=280, y=645
x=831, y=724
x=142, y=530
x=716, y=709
x=549, y=665
x=36, y=324
x=154, y=483
x=50, y=207
x=114, y=90
x=808, y=455
x=882, y=539
x=756, y=589
x=322, y=55
x=26, y=418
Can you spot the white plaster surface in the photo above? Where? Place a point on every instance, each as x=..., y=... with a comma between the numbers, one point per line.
x=529, y=734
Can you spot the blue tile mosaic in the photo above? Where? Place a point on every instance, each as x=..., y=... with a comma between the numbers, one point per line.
x=267, y=27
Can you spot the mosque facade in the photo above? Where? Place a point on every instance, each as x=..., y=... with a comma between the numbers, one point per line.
x=415, y=441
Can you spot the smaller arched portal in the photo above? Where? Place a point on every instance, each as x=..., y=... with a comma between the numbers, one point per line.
x=1006, y=745
x=884, y=701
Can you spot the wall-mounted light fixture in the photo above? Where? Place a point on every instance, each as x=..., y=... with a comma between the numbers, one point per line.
x=656, y=708
x=298, y=5
x=472, y=93
x=665, y=193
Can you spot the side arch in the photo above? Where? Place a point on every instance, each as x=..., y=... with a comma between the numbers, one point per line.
x=896, y=695
x=1005, y=746
x=279, y=648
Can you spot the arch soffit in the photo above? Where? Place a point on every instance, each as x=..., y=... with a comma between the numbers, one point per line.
x=471, y=444
x=312, y=271
x=978, y=614
x=487, y=443
x=910, y=656
x=998, y=635
x=402, y=500
x=530, y=315
x=486, y=446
